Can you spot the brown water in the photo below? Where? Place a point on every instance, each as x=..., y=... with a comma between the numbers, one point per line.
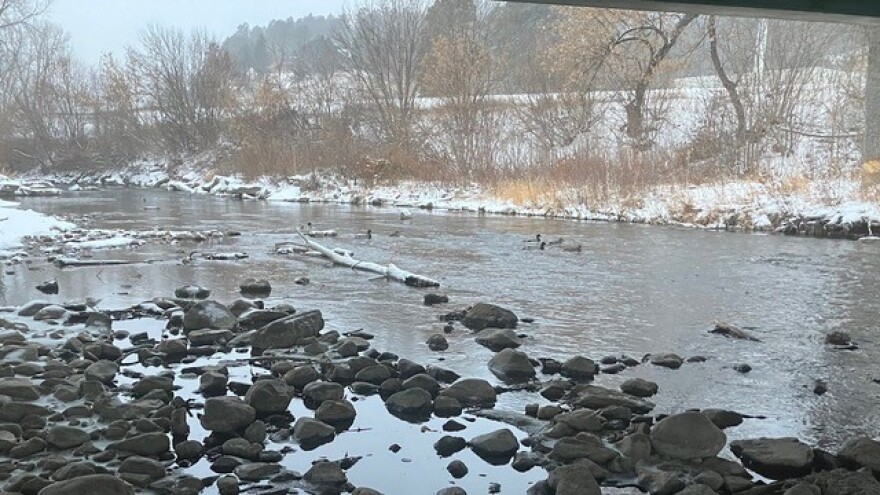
x=633, y=290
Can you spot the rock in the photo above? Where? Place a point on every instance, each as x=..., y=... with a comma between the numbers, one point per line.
x=209, y=336
x=102, y=371
x=432, y=299
x=242, y=448
x=596, y=397
x=269, y=397
x=31, y=308
x=742, y=368
x=324, y=473
x=838, y=338
x=257, y=471
x=639, y=387
x=228, y=485
x=208, y=314
x=375, y=374
x=289, y=331
x=94, y=484
x=411, y=403
x=18, y=388
x=190, y=450
x=147, y=384
x=671, y=361
x=512, y=366
x=213, y=383
x=582, y=420
x=151, y=469
x=445, y=407
x=689, y=435
x=27, y=448
x=258, y=318
x=723, y=418
x=496, y=447
x=311, y=433
x=253, y=287
x=578, y=368
x=861, y=453
x=775, y=458
x=192, y=292
x=317, y=392
x=482, y=315
x=146, y=444
x=573, y=479
x=698, y=490
x=51, y=312
x=48, y=287
x=66, y=437
x=457, y=469
x=498, y=339
x=448, y=445
x=732, y=331
x=452, y=490
x=340, y=413
x=424, y=382
x=843, y=482
x=301, y=376
x=582, y=445
x=227, y=414
x=659, y=481
x=437, y=342
x=471, y=392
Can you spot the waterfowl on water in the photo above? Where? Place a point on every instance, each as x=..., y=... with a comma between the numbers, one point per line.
x=540, y=246
x=368, y=235
x=557, y=242
x=536, y=239
x=573, y=248
x=396, y=233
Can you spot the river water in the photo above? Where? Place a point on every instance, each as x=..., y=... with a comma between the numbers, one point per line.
x=632, y=290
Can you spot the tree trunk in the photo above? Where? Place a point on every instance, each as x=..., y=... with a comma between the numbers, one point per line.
x=872, y=98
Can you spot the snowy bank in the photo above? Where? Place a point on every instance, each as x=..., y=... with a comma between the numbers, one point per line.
x=16, y=223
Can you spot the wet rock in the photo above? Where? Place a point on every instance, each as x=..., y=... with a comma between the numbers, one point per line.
x=471, y=392
x=51, y=312
x=742, y=368
x=289, y=331
x=148, y=384
x=227, y=414
x=258, y=318
x=66, y=437
x=671, y=361
x=228, y=485
x=31, y=308
x=861, y=453
x=208, y=315
x=496, y=447
x=48, y=287
x=432, y=299
x=445, y=407
x=838, y=338
x=95, y=484
x=775, y=458
x=407, y=368
x=688, y=435
x=820, y=387
x=448, y=445
x=257, y=471
x=596, y=397
x=573, y=479
x=457, y=469
x=213, y=383
x=375, y=374
x=301, y=376
x=317, y=392
x=27, y=448
x=269, y=397
x=582, y=420
x=842, y=482
x=437, y=342
x=803, y=488
x=144, y=469
x=192, y=292
x=732, y=331
x=311, y=433
x=102, y=371
x=147, y=444
x=18, y=388
x=190, y=450
x=483, y=315
x=364, y=388
x=424, y=382
x=365, y=491
x=209, y=337
x=498, y=339
x=452, y=490
x=582, y=445
x=411, y=403
x=523, y=462
x=659, y=481
x=512, y=366
x=324, y=473
x=635, y=447
x=723, y=418
x=336, y=412
x=240, y=447
x=578, y=368
x=254, y=287
x=639, y=387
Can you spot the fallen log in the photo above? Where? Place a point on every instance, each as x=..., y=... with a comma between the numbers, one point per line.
x=73, y=262
x=391, y=271
x=732, y=332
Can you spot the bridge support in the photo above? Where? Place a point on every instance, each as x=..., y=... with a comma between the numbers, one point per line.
x=871, y=148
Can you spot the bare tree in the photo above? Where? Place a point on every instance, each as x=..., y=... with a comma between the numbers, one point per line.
x=383, y=43
x=18, y=12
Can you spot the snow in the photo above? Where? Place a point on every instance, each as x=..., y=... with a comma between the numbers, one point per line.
x=113, y=242
x=16, y=223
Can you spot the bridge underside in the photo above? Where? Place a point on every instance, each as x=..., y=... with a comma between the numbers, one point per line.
x=849, y=11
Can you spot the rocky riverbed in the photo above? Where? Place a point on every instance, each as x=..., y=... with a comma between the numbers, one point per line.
x=232, y=398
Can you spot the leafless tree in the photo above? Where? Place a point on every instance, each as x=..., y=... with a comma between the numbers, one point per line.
x=18, y=12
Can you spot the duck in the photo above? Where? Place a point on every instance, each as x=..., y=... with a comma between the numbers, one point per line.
x=540, y=246
x=396, y=233
x=536, y=239
x=406, y=215
x=573, y=248
x=557, y=242
x=368, y=235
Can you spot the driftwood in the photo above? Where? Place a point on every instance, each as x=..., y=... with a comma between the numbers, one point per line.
x=73, y=262
x=391, y=271
x=732, y=331
x=217, y=256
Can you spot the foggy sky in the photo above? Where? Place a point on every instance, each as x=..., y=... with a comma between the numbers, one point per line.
x=99, y=26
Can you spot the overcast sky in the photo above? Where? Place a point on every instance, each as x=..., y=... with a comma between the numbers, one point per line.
x=99, y=26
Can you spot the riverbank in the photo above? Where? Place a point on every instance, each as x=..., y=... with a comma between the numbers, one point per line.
x=818, y=208
x=16, y=223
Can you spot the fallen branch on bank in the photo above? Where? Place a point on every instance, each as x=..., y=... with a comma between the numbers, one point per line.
x=73, y=262
x=392, y=272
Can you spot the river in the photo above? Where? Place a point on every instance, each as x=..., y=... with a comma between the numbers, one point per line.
x=632, y=290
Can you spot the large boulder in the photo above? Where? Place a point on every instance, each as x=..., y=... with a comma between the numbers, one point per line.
x=19, y=388
x=227, y=414
x=574, y=479
x=639, y=387
x=410, y=403
x=326, y=474
x=471, y=392
x=269, y=396
x=93, y=484
x=496, y=447
x=578, y=368
x=145, y=444
x=689, y=435
x=483, y=315
x=512, y=366
x=208, y=314
x=317, y=392
x=288, y=332
x=66, y=437
x=497, y=339
x=861, y=452
x=775, y=458
x=311, y=433
x=102, y=371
